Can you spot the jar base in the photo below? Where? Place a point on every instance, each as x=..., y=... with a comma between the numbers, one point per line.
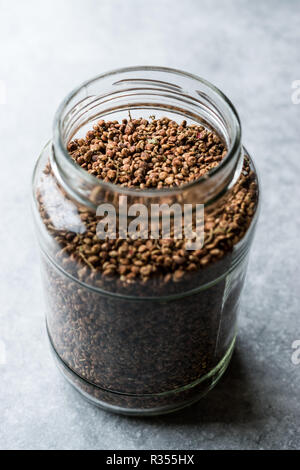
x=150, y=404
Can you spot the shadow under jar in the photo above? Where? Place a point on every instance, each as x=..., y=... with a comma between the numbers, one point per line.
x=137, y=346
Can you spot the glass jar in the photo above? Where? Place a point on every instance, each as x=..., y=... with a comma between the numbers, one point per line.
x=129, y=345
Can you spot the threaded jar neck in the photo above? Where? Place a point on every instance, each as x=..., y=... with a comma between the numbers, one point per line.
x=145, y=91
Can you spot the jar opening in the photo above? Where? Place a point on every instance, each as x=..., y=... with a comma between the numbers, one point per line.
x=144, y=91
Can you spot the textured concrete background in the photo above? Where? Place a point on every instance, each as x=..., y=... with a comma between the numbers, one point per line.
x=251, y=50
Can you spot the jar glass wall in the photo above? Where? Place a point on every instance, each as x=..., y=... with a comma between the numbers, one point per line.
x=130, y=344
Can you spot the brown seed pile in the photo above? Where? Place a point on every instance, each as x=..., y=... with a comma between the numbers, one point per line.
x=140, y=345
x=148, y=154
x=157, y=154
x=126, y=262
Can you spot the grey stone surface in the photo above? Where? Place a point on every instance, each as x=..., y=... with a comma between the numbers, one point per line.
x=251, y=50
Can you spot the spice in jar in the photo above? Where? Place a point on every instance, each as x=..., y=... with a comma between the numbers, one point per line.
x=130, y=352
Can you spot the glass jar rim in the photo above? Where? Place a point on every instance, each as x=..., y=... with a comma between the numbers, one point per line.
x=82, y=173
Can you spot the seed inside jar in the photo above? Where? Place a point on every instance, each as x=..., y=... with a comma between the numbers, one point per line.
x=148, y=154
x=144, y=345
x=152, y=154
